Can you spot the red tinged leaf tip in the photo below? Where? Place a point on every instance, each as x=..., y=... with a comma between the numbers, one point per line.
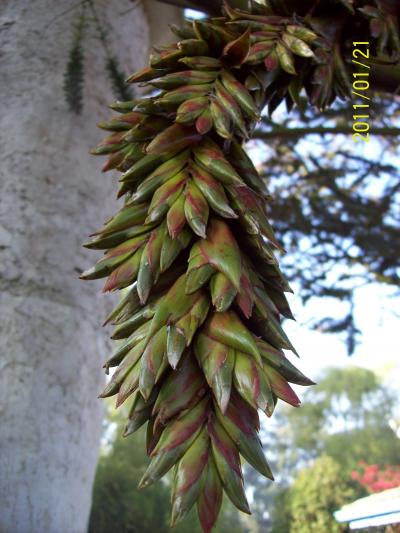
x=145, y=74
x=122, y=122
x=241, y=94
x=227, y=329
x=129, y=246
x=212, y=190
x=115, y=138
x=210, y=497
x=190, y=110
x=124, y=275
x=191, y=469
x=112, y=143
x=228, y=102
x=245, y=297
x=224, y=444
x=183, y=428
x=271, y=62
x=217, y=362
x=180, y=390
x=154, y=246
x=251, y=383
x=113, y=161
x=243, y=415
x=210, y=157
x=153, y=363
x=220, y=250
x=259, y=51
x=184, y=77
x=222, y=292
x=278, y=360
x=193, y=105
x=236, y=52
x=176, y=218
x=182, y=94
x=247, y=442
x=196, y=209
x=227, y=460
x=281, y=387
x=187, y=325
x=165, y=196
x=152, y=437
x=150, y=262
x=204, y=123
x=174, y=138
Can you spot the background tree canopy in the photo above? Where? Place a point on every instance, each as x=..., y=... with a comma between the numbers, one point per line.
x=316, y=493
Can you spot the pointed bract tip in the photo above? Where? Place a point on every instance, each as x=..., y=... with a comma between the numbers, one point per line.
x=86, y=274
x=176, y=517
x=145, y=482
x=245, y=508
x=306, y=382
x=119, y=401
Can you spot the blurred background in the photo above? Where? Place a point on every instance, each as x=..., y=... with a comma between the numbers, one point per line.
x=64, y=466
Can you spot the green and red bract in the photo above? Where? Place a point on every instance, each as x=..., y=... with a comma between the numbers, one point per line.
x=201, y=341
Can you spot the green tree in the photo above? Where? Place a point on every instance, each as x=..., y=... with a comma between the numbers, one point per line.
x=346, y=416
x=117, y=503
x=316, y=493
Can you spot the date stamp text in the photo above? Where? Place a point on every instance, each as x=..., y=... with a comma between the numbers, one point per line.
x=360, y=86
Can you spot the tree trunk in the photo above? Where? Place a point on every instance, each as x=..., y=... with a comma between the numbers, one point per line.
x=52, y=195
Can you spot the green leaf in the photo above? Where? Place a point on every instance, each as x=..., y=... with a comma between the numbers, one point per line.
x=228, y=465
x=174, y=138
x=219, y=250
x=229, y=330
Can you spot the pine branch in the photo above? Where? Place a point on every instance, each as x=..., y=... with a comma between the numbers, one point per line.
x=74, y=72
x=122, y=90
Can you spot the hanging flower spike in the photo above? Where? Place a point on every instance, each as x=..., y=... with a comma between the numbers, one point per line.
x=204, y=298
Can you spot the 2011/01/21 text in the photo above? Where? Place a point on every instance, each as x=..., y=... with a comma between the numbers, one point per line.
x=360, y=87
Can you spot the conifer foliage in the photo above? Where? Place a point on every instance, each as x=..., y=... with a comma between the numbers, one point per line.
x=201, y=344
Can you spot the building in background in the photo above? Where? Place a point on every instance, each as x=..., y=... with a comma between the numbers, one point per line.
x=377, y=512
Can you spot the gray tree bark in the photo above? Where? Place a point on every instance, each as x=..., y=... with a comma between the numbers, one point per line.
x=52, y=196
